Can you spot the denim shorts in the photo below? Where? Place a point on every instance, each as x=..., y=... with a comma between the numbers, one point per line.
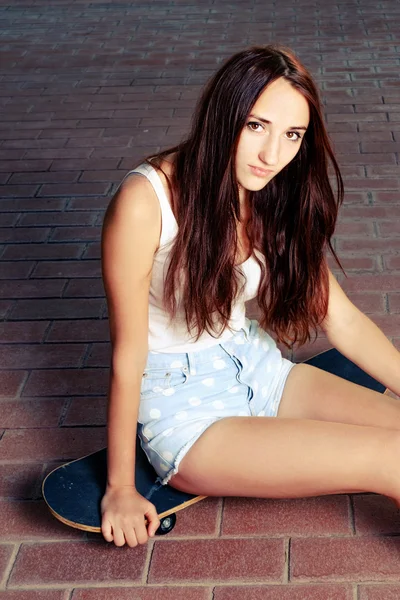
x=184, y=393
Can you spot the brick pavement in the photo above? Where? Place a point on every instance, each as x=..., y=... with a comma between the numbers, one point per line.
x=87, y=88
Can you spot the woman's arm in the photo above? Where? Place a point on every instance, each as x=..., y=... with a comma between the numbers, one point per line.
x=130, y=238
x=359, y=339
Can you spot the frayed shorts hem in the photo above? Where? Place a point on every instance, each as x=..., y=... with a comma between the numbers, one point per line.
x=183, y=451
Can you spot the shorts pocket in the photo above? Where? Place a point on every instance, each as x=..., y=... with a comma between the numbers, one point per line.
x=162, y=382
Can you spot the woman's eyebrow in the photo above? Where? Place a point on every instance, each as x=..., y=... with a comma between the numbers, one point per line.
x=269, y=123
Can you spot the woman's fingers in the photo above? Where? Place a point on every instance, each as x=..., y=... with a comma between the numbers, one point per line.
x=153, y=520
x=106, y=530
x=119, y=537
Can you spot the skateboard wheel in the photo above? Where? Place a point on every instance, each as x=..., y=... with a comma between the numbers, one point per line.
x=166, y=525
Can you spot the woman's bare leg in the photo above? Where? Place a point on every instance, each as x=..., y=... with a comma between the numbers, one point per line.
x=311, y=393
x=267, y=457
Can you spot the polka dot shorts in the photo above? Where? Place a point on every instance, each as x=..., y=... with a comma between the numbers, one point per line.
x=184, y=393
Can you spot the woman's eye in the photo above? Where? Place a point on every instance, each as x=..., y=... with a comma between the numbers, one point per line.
x=253, y=126
x=293, y=136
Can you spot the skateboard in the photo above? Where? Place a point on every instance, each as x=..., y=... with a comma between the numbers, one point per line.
x=73, y=491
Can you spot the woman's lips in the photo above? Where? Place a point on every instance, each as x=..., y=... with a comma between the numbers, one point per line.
x=260, y=172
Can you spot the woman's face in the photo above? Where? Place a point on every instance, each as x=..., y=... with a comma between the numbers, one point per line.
x=272, y=135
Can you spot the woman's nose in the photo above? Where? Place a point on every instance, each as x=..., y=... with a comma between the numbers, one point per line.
x=270, y=152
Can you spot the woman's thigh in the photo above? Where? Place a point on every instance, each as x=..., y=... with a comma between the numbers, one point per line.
x=284, y=458
x=311, y=393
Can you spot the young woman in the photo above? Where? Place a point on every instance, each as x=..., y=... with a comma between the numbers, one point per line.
x=242, y=209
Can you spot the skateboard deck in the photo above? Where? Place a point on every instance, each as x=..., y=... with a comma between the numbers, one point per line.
x=73, y=491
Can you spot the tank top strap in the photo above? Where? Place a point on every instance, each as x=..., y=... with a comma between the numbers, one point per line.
x=169, y=226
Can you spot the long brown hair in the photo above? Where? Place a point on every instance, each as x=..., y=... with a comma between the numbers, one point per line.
x=292, y=218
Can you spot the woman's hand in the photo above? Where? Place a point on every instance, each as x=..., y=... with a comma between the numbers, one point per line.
x=124, y=511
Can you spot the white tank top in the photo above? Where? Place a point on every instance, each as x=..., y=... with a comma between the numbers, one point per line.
x=166, y=336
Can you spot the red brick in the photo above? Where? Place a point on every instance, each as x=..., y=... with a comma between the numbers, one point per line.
x=82, y=288
x=394, y=303
x=218, y=560
x=355, y=198
x=28, y=143
x=346, y=147
x=6, y=551
x=300, y=516
x=392, y=262
x=35, y=204
x=32, y=288
x=44, y=154
x=113, y=176
x=366, y=136
x=41, y=356
x=373, y=283
x=367, y=159
x=380, y=147
x=388, y=229
x=11, y=383
x=358, y=117
x=375, y=515
x=369, y=184
x=95, y=330
x=89, y=203
x=112, y=137
x=345, y=559
x=370, y=212
x=74, y=189
x=378, y=126
x=6, y=306
x=42, y=251
x=68, y=133
x=32, y=520
x=45, y=564
x=71, y=164
x=99, y=356
x=369, y=303
x=146, y=593
x=16, y=191
x=59, y=218
x=92, y=251
x=66, y=382
x=353, y=263
x=86, y=411
x=13, y=270
x=31, y=413
x=382, y=170
x=28, y=331
x=368, y=245
x=354, y=228
x=201, y=519
x=68, y=234
x=45, y=177
x=386, y=197
x=285, y=592
x=137, y=152
x=63, y=308
x=129, y=162
x=9, y=219
x=11, y=154
x=23, y=234
x=379, y=592
x=35, y=595
x=78, y=268
x=51, y=444
x=20, y=480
